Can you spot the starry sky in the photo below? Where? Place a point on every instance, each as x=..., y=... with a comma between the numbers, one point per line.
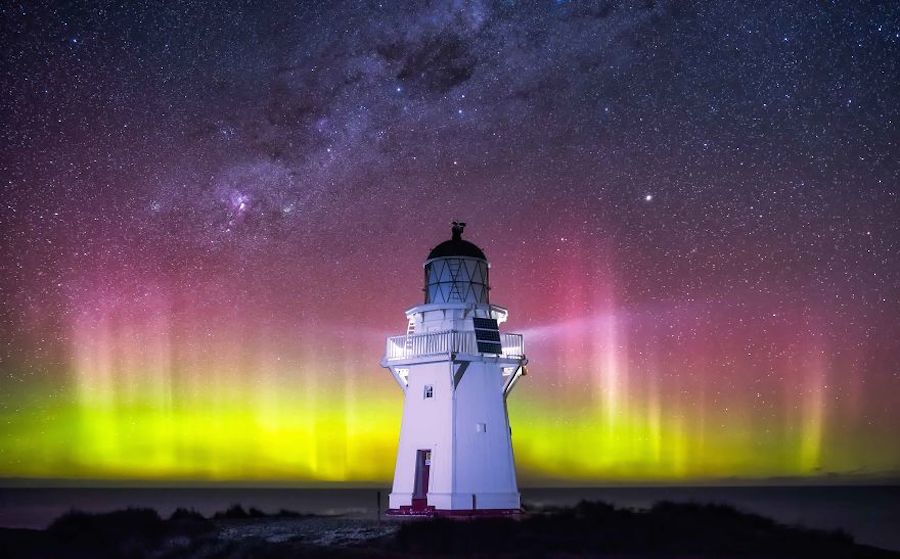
x=212, y=216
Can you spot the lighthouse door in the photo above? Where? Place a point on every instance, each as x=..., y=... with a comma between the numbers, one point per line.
x=423, y=468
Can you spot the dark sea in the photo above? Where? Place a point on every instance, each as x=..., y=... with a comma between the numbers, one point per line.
x=870, y=513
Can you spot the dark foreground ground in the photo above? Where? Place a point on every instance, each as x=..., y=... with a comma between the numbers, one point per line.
x=590, y=529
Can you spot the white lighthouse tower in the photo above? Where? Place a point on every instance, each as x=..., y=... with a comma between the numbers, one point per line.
x=456, y=370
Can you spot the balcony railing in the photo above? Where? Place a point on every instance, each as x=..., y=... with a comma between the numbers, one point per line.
x=448, y=341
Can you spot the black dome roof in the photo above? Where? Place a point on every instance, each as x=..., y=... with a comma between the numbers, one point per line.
x=456, y=246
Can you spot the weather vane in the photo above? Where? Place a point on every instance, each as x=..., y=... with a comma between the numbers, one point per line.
x=457, y=229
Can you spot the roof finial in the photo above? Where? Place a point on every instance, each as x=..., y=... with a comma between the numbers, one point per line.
x=457, y=229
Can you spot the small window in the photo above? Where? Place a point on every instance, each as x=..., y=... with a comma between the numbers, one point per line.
x=429, y=391
x=481, y=427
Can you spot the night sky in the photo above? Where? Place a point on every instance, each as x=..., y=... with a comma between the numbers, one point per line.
x=213, y=216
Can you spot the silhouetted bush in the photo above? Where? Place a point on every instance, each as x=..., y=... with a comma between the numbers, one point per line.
x=233, y=512
x=256, y=513
x=237, y=512
x=189, y=523
x=186, y=514
x=590, y=528
x=126, y=533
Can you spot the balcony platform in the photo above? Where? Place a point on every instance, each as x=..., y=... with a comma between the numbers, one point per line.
x=453, y=345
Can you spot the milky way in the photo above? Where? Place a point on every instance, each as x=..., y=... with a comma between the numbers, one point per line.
x=213, y=215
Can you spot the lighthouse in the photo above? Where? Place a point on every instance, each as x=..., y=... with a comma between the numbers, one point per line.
x=456, y=370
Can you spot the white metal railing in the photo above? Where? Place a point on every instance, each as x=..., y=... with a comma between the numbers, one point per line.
x=448, y=341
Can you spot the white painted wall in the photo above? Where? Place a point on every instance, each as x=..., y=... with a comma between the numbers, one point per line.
x=484, y=460
x=464, y=461
x=426, y=425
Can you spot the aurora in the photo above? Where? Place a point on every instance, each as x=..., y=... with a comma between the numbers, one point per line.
x=212, y=220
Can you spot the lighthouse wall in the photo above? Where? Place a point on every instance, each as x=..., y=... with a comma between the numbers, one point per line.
x=483, y=447
x=467, y=431
x=426, y=425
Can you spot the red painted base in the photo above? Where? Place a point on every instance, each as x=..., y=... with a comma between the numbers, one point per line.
x=431, y=512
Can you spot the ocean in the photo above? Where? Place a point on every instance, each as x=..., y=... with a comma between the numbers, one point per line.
x=870, y=513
